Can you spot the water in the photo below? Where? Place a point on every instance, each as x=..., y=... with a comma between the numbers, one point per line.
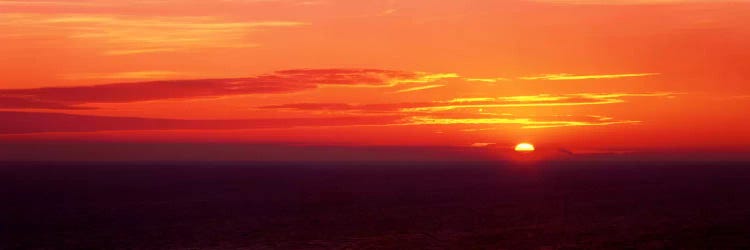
x=374, y=205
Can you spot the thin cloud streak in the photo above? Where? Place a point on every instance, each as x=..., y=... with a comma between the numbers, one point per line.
x=534, y=101
x=136, y=75
x=10, y=102
x=51, y=3
x=128, y=35
x=441, y=112
x=284, y=81
x=543, y=100
x=33, y=122
x=525, y=122
x=420, y=88
x=487, y=80
x=483, y=144
x=630, y=2
x=567, y=77
x=37, y=122
x=426, y=77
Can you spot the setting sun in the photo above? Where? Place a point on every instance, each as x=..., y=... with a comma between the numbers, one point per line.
x=525, y=147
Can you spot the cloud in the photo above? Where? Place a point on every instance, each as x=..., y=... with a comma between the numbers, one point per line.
x=139, y=75
x=294, y=2
x=488, y=80
x=564, y=76
x=127, y=35
x=9, y=102
x=30, y=3
x=526, y=123
x=420, y=88
x=283, y=81
x=483, y=144
x=378, y=114
x=32, y=122
x=110, y=3
x=346, y=107
x=542, y=100
x=388, y=12
x=560, y=77
x=446, y=112
x=630, y=2
x=426, y=77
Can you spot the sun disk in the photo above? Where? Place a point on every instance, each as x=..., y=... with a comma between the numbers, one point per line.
x=525, y=147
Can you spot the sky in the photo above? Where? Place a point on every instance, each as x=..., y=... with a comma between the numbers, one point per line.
x=566, y=75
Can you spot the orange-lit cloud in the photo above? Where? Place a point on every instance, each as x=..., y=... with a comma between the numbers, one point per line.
x=482, y=144
x=16, y=102
x=425, y=77
x=135, y=75
x=564, y=77
x=490, y=80
x=32, y=122
x=438, y=112
x=420, y=88
x=279, y=82
x=544, y=100
x=127, y=35
x=631, y=2
x=527, y=123
x=50, y=3
x=36, y=122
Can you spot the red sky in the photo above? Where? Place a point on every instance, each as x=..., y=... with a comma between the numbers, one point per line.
x=583, y=75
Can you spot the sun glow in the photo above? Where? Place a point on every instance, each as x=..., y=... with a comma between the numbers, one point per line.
x=525, y=148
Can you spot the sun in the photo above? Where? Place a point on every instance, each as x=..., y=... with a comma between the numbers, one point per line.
x=525, y=148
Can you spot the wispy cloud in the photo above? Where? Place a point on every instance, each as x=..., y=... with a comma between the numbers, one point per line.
x=133, y=75
x=559, y=77
x=565, y=76
x=32, y=3
x=420, y=88
x=127, y=35
x=483, y=144
x=630, y=2
x=427, y=77
x=471, y=99
x=450, y=112
x=388, y=12
x=294, y=2
x=35, y=122
x=24, y=102
x=440, y=113
x=488, y=80
x=91, y=4
x=283, y=81
x=32, y=122
x=543, y=100
x=526, y=123
x=534, y=101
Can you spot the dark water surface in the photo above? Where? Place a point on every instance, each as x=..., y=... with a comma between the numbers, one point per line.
x=375, y=205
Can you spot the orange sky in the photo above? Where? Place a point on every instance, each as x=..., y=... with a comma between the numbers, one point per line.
x=643, y=75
